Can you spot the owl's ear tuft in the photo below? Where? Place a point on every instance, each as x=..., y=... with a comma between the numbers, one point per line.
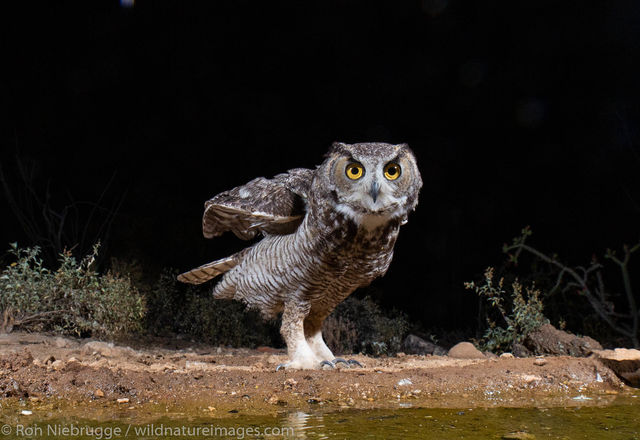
x=337, y=148
x=404, y=146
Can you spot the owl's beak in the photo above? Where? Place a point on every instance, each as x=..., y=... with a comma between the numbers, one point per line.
x=374, y=191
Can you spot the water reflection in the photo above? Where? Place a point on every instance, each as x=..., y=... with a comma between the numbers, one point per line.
x=303, y=424
x=616, y=420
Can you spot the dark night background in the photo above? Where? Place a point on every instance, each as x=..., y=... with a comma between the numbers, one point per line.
x=520, y=113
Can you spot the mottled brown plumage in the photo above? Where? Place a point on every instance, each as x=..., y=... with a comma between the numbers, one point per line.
x=326, y=232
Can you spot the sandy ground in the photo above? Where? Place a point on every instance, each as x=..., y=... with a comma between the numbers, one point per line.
x=42, y=372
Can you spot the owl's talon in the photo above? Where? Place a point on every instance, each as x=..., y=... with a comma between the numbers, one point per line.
x=329, y=363
x=348, y=363
x=340, y=361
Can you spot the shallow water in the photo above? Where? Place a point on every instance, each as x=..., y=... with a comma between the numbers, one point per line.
x=620, y=420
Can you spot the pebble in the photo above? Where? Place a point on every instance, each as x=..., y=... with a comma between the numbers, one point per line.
x=519, y=435
x=98, y=393
x=289, y=383
x=274, y=400
x=26, y=412
x=123, y=400
x=403, y=382
x=507, y=356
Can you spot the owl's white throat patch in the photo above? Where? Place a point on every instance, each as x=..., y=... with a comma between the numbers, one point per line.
x=367, y=220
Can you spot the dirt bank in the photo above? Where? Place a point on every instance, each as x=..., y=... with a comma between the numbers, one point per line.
x=41, y=373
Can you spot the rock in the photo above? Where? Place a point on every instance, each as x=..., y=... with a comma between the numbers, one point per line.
x=404, y=382
x=123, y=400
x=549, y=340
x=289, y=384
x=529, y=378
x=624, y=362
x=416, y=345
x=12, y=388
x=195, y=365
x=107, y=349
x=102, y=348
x=520, y=351
x=98, y=393
x=465, y=350
x=507, y=356
x=540, y=362
x=275, y=400
x=61, y=342
x=57, y=365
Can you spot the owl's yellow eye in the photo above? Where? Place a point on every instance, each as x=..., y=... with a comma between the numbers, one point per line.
x=354, y=171
x=392, y=171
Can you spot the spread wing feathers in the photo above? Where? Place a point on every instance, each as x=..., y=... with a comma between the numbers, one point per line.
x=273, y=206
x=211, y=270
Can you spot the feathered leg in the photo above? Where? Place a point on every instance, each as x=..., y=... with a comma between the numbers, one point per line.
x=300, y=354
x=313, y=336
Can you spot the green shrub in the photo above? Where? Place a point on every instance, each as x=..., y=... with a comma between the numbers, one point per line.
x=74, y=299
x=359, y=325
x=521, y=312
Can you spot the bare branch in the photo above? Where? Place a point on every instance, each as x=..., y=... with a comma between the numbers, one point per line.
x=580, y=279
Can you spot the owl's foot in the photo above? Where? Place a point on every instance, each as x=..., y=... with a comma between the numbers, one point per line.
x=288, y=365
x=332, y=364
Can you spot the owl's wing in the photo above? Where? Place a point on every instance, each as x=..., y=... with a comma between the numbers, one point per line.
x=273, y=206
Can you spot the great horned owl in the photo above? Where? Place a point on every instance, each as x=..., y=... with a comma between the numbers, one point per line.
x=326, y=232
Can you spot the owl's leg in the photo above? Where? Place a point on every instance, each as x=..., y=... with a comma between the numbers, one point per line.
x=292, y=330
x=313, y=335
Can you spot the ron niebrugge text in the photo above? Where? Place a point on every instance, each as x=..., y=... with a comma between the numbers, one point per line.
x=155, y=430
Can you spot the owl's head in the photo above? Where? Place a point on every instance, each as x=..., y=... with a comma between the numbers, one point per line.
x=372, y=183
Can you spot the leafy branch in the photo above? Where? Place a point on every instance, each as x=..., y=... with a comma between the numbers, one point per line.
x=522, y=315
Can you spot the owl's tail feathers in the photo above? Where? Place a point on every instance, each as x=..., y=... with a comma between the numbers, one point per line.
x=211, y=270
